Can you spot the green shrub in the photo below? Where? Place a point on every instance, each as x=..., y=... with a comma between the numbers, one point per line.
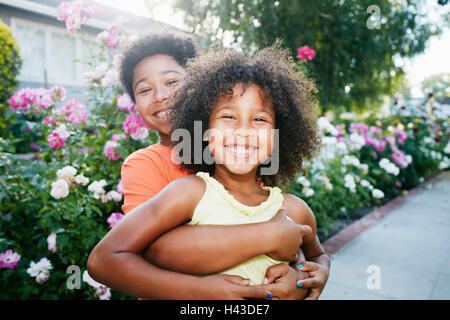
x=10, y=64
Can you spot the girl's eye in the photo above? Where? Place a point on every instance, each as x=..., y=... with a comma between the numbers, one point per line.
x=172, y=82
x=260, y=119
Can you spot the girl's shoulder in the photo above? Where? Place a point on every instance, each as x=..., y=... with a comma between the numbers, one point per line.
x=191, y=187
x=297, y=209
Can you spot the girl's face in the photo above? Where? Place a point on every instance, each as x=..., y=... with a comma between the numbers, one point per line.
x=155, y=79
x=241, y=129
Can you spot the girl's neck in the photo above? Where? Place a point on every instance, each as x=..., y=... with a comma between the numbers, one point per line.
x=232, y=181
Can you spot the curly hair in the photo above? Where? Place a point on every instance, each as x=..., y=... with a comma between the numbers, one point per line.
x=214, y=74
x=178, y=45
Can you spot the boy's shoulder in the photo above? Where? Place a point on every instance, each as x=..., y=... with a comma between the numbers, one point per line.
x=297, y=209
x=153, y=151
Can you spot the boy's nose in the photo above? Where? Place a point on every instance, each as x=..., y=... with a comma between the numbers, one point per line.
x=162, y=94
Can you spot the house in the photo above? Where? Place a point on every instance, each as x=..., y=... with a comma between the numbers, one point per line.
x=50, y=55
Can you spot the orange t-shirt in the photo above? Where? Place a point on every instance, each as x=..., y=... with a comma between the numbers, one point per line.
x=145, y=173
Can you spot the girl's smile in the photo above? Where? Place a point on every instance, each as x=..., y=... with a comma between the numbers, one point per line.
x=241, y=129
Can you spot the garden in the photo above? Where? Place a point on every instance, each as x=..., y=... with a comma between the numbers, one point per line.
x=60, y=162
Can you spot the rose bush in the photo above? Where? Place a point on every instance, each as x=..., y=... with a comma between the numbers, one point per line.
x=60, y=200
x=62, y=197
x=367, y=164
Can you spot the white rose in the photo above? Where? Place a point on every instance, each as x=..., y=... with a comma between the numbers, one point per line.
x=377, y=194
x=308, y=192
x=303, y=181
x=60, y=189
x=114, y=195
x=81, y=179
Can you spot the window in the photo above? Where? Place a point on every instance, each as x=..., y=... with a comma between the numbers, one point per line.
x=32, y=51
x=50, y=55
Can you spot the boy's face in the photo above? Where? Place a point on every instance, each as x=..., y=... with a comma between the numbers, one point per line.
x=241, y=129
x=155, y=79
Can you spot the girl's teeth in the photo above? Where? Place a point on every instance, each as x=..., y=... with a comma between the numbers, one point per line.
x=241, y=151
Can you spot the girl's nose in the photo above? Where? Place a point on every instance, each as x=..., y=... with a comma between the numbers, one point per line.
x=243, y=129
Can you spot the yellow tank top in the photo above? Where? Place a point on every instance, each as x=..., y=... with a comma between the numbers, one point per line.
x=219, y=207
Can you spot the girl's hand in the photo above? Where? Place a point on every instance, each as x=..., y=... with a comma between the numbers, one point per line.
x=317, y=280
x=229, y=287
x=281, y=281
x=287, y=236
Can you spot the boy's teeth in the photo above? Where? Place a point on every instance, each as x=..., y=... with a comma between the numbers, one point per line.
x=162, y=115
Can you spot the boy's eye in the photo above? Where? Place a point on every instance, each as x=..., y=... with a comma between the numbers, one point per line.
x=172, y=82
x=227, y=116
x=146, y=90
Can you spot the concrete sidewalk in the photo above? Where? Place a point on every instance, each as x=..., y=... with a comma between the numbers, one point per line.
x=408, y=249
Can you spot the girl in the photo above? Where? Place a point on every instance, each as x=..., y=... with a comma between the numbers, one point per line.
x=241, y=100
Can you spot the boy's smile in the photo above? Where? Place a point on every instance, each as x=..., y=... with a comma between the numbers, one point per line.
x=154, y=81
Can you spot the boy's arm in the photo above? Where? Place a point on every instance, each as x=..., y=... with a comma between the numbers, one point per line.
x=116, y=260
x=185, y=248
x=317, y=262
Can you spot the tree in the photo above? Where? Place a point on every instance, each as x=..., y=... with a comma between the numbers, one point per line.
x=355, y=46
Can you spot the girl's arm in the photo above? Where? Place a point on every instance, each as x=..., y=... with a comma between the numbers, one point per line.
x=116, y=260
x=184, y=248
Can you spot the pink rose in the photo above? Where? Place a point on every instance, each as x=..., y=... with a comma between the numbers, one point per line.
x=305, y=53
x=63, y=11
x=124, y=102
x=43, y=98
x=108, y=150
x=55, y=141
x=51, y=241
x=19, y=100
x=140, y=134
x=119, y=187
x=75, y=112
x=118, y=136
x=73, y=22
x=401, y=136
x=9, y=259
x=132, y=123
x=114, y=218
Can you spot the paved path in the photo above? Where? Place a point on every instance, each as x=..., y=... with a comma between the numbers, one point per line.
x=408, y=249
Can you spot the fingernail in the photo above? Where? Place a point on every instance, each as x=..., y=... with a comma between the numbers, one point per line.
x=269, y=296
x=247, y=279
x=300, y=266
x=299, y=284
x=266, y=280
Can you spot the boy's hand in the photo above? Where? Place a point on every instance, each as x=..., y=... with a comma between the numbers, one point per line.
x=229, y=287
x=281, y=281
x=288, y=236
x=318, y=278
